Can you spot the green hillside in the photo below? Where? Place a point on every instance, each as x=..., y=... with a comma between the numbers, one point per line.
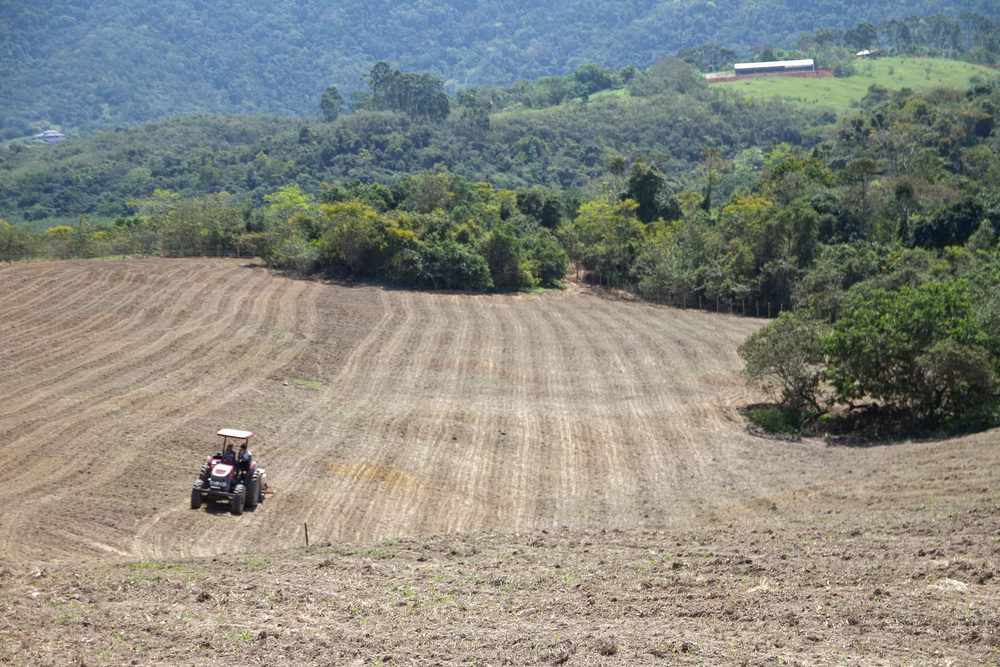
x=843, y=93
x=512, y=138
x=101, y=64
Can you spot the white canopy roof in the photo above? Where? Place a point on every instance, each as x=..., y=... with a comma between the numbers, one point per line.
x=234, y=433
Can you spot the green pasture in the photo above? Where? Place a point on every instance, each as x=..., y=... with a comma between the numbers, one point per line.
x=842, y=93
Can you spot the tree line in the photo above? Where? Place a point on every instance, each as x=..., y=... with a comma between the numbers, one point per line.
x=434, y=230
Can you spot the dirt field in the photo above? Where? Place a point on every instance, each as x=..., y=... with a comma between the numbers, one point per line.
x=559, y=478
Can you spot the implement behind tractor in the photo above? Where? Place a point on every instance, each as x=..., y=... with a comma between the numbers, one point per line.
x=222, y=477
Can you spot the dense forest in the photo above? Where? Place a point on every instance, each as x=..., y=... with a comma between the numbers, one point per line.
x=83, y=65
x=870, y=239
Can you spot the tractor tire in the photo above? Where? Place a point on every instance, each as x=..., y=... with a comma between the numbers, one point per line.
x=204, y=473
x=253, y=491
x=196, y=495
x=236, y=504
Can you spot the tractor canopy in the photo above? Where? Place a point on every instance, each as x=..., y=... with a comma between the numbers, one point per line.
x=234, y=433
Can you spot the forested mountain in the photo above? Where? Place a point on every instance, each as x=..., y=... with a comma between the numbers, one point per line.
x=87, y=64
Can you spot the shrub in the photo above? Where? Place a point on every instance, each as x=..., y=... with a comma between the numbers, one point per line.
x=776, y=419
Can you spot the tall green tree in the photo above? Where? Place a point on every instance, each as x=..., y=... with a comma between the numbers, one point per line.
x=648, y=188
x=331, y=102
x=861, y=36
x=352, y=236
x=505, y=256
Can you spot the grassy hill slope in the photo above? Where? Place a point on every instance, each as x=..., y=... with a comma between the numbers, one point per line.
x=842, y=93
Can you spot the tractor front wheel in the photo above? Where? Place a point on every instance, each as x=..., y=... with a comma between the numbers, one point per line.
x=196, y=495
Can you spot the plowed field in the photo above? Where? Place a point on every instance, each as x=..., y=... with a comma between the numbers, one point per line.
x=593, y=433
x=378, y=413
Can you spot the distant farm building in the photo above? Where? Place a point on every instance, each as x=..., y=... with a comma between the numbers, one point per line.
x=50, y=137
x=775, y=67
x=798, y=68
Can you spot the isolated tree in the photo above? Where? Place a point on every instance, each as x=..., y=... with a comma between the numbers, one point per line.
x=331, y=102
x=786, y=355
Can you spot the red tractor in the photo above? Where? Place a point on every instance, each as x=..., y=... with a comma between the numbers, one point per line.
x=224, y=478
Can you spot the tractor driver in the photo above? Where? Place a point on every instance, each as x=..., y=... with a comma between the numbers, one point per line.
x=229, y=456
x=244, y=459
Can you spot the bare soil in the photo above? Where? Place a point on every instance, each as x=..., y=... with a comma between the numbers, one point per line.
x=554, y=478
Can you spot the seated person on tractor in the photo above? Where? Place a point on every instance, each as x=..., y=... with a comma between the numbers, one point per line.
x=244, y=459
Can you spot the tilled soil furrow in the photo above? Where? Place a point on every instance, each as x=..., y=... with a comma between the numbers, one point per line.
x=267, y=350
x=136, y=362
x=379, y=483
x=632, y=516
x=95, y=345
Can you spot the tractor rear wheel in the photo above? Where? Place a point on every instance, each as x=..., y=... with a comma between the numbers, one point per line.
x=236, y=504
x=253, y=490
x=196, y=495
